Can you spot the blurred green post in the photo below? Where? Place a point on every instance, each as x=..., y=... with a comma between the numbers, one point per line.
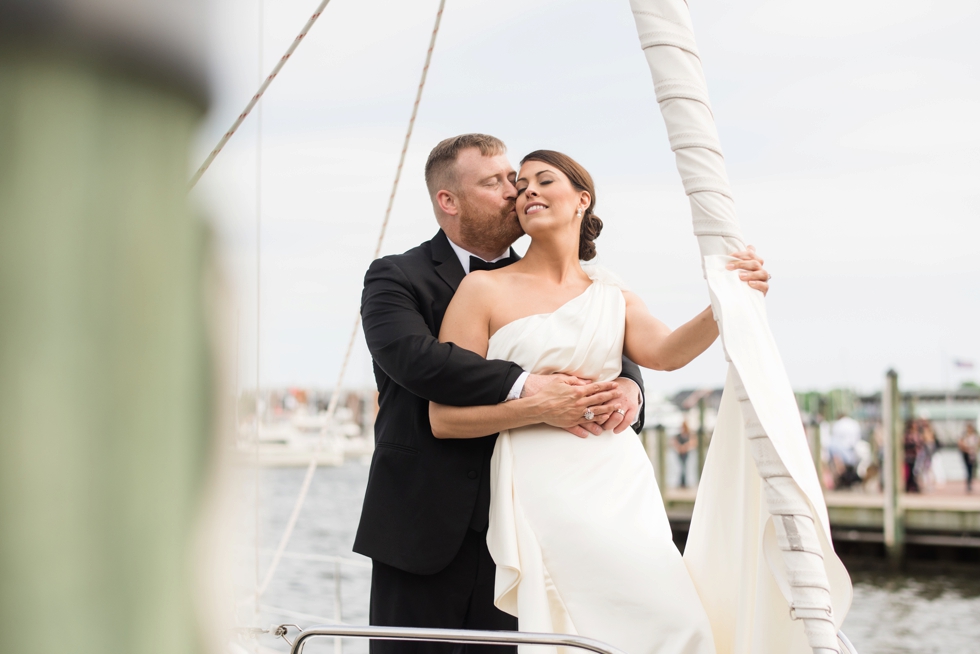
x=104, y=368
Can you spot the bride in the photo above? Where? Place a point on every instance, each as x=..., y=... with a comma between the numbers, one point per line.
x=577, y=530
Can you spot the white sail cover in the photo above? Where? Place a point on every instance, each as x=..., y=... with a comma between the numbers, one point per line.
x=759, y=549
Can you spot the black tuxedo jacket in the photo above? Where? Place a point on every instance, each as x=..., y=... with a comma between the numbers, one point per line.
x=423, y=493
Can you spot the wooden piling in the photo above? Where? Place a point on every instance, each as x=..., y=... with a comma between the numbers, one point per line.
x=655, y=443
x=894, y=524
x=816, y=449
x=662, y=458
x=702, y=438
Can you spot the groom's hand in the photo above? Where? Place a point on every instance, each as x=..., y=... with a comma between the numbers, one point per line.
x=624, y=409
x=561, y=401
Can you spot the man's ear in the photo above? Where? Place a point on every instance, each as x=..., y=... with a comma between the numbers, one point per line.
x=447, y=203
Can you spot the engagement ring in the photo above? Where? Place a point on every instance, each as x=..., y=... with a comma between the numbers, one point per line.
x=588, y=415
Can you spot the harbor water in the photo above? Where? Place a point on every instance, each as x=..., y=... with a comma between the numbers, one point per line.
x=924, y=611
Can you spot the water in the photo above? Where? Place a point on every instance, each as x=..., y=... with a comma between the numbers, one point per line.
x=924, y=613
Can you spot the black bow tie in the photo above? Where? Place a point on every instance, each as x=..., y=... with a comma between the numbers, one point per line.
x=476, y=263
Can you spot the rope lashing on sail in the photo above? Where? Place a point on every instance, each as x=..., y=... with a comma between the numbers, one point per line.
x=668, y=41
x=258, y=94
x=335, y=396
x=796, y=533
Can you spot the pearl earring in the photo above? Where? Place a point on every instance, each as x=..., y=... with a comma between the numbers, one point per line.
x=579, y=214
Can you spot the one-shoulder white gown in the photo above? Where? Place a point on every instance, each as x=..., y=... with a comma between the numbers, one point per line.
x=577, y=526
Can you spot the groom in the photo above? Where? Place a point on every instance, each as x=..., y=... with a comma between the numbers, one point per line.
x=426, y=508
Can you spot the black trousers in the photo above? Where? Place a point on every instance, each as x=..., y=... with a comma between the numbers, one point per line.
x=458, y=597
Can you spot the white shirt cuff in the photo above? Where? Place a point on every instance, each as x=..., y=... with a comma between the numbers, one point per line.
x=517, y=388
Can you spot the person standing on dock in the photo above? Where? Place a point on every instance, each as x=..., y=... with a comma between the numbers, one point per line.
x=912, y=443
x=845, y=434
x=969, y=445
x=683, y=443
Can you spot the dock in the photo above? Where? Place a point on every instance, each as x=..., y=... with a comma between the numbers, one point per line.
x=940, y=523
x=929, y=520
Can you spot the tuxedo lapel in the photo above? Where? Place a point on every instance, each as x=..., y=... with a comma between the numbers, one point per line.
x=447, y=263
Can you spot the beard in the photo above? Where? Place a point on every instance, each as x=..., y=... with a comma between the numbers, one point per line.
x=487, y=229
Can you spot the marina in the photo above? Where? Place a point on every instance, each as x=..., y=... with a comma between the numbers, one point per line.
x=916, y=603
x=940, y=523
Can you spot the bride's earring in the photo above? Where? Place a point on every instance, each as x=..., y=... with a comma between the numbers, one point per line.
x=579, y=212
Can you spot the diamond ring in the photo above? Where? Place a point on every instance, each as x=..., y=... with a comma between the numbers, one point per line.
x=588, y=415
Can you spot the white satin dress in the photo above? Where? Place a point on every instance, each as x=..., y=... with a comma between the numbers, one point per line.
x=577, y=528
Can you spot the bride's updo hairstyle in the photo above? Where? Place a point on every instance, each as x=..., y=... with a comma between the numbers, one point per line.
x=582, y=181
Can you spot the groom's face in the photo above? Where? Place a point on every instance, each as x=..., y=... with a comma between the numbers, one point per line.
x=485, y=190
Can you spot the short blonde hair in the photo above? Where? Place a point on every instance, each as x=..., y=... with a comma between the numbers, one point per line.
x=440, y=168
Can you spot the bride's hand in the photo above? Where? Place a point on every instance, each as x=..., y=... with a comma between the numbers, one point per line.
x=750, y=269
x=562, y=400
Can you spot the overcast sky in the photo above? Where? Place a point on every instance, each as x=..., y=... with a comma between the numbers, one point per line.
x=850, y=130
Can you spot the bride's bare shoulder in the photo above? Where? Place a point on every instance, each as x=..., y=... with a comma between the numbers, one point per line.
x=468, y=316
x=633, y=300
x=480, y=287
x=479, y=281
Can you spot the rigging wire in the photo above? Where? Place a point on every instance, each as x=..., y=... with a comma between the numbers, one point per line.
x=335, y=397
x=258, y=297
x=258, y=94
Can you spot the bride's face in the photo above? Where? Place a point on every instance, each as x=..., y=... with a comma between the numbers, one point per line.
x=546, y=199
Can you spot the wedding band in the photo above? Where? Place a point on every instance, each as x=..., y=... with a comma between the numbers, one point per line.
x=621, y=412
x=588, y=415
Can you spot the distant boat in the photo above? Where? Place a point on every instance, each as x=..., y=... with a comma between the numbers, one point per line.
x=303, y=436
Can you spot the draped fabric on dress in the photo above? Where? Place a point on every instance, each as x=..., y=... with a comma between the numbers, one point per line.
x=577, y=526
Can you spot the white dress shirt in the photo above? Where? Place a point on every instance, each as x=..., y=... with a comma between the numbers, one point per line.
x=464, y=256
x=464, y=260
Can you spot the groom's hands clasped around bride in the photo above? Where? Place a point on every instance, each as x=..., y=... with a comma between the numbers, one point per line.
x=564, y=399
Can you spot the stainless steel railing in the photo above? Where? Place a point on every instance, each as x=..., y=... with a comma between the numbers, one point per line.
x=846, y=643
x=451, y=636
x=466, y=636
